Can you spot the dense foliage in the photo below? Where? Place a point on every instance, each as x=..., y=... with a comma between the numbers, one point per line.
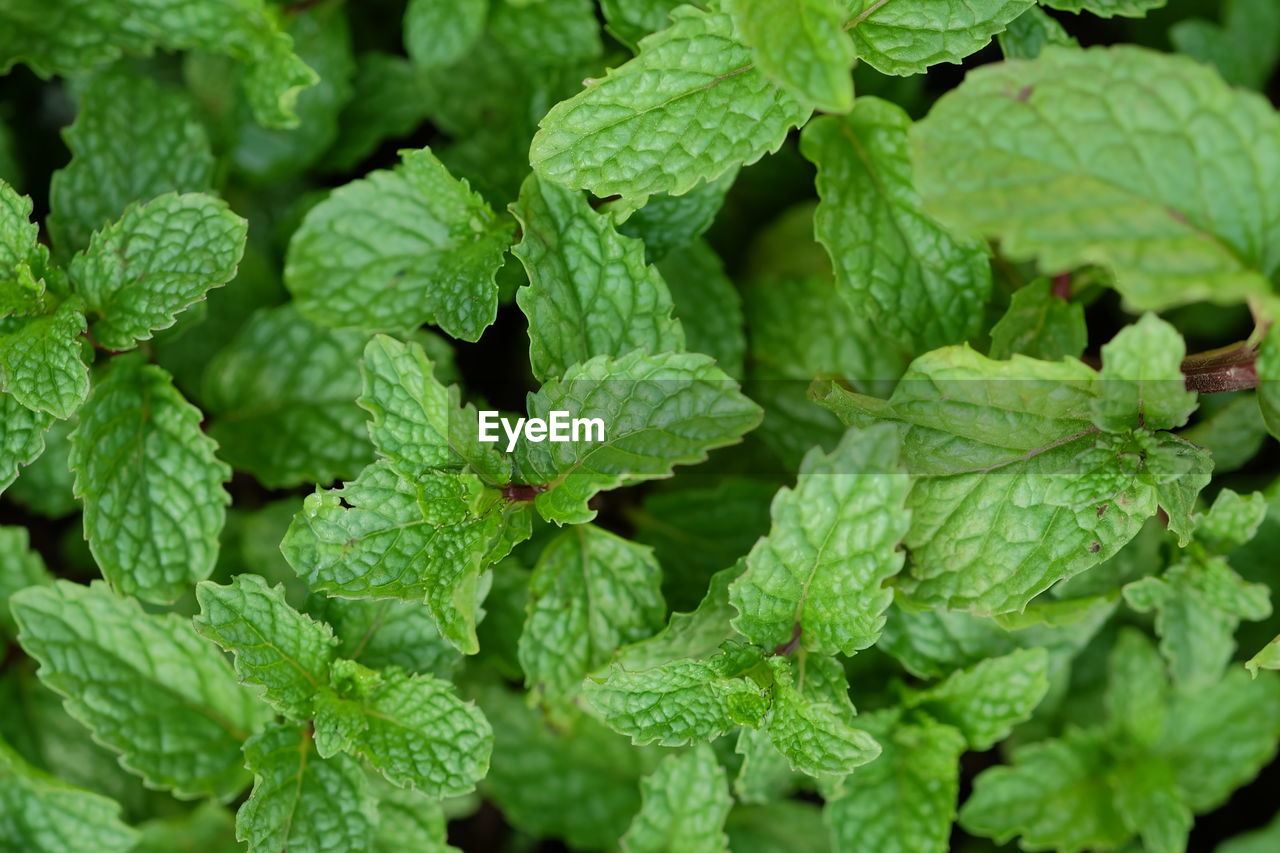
x=931, y=343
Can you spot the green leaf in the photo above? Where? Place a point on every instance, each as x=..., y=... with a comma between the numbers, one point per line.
x=1051, y=796
x=1151, y=806
x=818, y=576
x=1267, y=658
x=893, y=263
x=415, y=730
x=1268, y=369
x=158, y=259
x=906, y=38
x=801, y=45
x=146, y=686
x=152, y=489
x=1199, y=603
x=810, y=722
x=692, y=634
x=408, y=820
x=1107, y=8
x=1137, y=695
x=668, y=222
x=1027, y=34
x=1013, y=474
x=631, y=20
x=1244, y=48
x=391, y=99
x=714, y=109
x=590, y=292
x=1044, y=155
x=440, y=32
x=397, y=249
x=418, y=423
x=777, y=827
x=765, y=774
x=1232, y=433
x=381, y=634
x=1038, y=324
x=20, y=567
x=41, y=364
x=676, y=703
x=590, y=593
x=905, y=800
x=207, y=828
x=132, y=140
x=548, y=32
x=62, y=39
x=1231, y=521
x=538, y=768
x=707, y=304
x=42, y=814
x=45, y=484
x=684, y=806
x=274, y=645
x=659, y=411
x=301, y=801
x=21, y=436
x=389, y=535
x=987, y=700
x=1261, y=840
x=1142, y=383
x=282, y=394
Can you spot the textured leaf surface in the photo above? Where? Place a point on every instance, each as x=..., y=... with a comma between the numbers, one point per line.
x=20, y=567
x=905, y=800
x=894, y=264
x=301, y=801
x=591, y=593
x=1039, y=325
x=590, y=291
x=274, y=645
x=667, y=222
x=1052, y=157
x=152, y=489
x=1108, y=8
x=132, y=140
x=707, y=303
x=811, y=727
x=141, y=271
x=146, y=686
x=906, y=38
x=713, y=111
x=684, y=806
x=42, y=814
x=659, y=410
x=388, y=535
x=818, y=575
x=801, y=45
x=1028, y=34
x=397, y=249
x=283, y=396
x=1142, y=383
x=40, y=362
x=985, y=701
x=21, y=436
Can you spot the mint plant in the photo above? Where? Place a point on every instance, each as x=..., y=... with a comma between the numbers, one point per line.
x=645, y=425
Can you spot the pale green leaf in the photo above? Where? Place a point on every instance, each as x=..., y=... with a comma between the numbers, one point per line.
x=274, y=645
x=408, y=820
x=282, y=394
x=765, y=774
x=1142, y=383
x=132, y=140
x=676, y=703
x=683, y=807
x=590, y=291
x=905, y=800
x=146, y=686
x=658, y=411
x=417, y=732
x=301, y=801
x=693, y=634
x=159, y=258
x=440, y=32
x=988, y=699
x=800, y=45
x=1098, y=157
x=811, y=727
x=43, y=814
x=1267, y=658
x=894, y=264
x=1231, y=521
x=152, y=489
x=20, y=567
x=389, y=535
x=1137, y=693
x=385, y=633
x=1150, y=804
x=1039, y=324
x=590, y=594
x=818, y=576
x=397, y=249
x=21, y=436
x=906, y=38
x=714, y=111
